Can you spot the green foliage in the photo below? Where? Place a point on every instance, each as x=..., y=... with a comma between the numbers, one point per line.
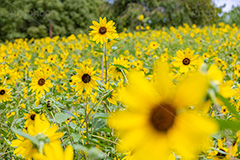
x=163, y=12
x=31, y=18
x=231, y=17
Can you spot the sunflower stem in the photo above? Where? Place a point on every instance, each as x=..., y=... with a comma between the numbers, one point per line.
x=105, y=50
x=103, y=62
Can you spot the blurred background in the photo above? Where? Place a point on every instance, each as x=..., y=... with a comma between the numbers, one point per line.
x=35, y=18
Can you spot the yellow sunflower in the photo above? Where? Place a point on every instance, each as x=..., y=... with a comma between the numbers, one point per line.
x=55, y=152
x=185, y=60
x=102, y=30
x=43, y=133
x=5, y=94
x=158, y=121
x=85, y=79
x=40, y=83
x=24, y=147
x=30, y=118
x=225, y=154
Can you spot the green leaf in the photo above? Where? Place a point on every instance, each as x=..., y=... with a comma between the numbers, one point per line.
x=70, y=113
x=73, y=125
x=95, y=153
x=39, y=106
x=100, y=115
x=98, y=50
x=75, y=137
x=120, y=66
x=228, y=124
x=59, y=104
x=59, y=117
x=80, y=147
x=219, y=151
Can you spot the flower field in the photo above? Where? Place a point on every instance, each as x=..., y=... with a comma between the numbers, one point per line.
x=144, y=95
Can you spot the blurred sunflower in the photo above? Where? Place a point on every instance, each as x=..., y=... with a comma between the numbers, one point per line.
x=102, y=30
x=24, y=147
x=40, y=83
x=185, y=60
x=85, y=79
x=43, y=133
x=158, y=120
x=55, y=152
x=5, y=94
x=153, y=45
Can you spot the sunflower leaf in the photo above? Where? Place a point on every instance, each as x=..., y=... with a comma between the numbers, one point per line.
x=120, y=66
x=228, y=124
x=70, y=113
x=59, y=117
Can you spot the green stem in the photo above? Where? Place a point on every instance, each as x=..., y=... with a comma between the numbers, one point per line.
x=106, y=67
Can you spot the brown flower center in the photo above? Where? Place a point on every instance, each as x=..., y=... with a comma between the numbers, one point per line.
x=102, y=30
x=2, y=92
x=162, y=117
x=186, y=61
x=32, y=117
x=86, y=78
x=41, y=82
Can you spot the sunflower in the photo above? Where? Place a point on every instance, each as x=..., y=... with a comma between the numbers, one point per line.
x=40, y=83
x=222, y=152
x=102, y=30
x=85, y=79
x=185, y=60
x=30, y=118
x=158, y=120
x=24, y=147
x=153, y=45
x=5, y=94
x=55, y=151
x=43, y=133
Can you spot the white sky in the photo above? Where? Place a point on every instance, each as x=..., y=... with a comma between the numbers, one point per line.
x=229, y=4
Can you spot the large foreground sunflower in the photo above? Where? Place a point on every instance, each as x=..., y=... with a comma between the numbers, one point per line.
x=102, y=30
x=158, y=120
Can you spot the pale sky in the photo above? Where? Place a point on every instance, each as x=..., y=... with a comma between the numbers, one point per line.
x=229, y=4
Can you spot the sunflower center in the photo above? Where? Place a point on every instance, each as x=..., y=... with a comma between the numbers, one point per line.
x=162, y=117
x=86, y=78
x=2, y=92
x=32, y=117
x=102, y=30
x=41, y=82
x=118, y=69
x=186, y=61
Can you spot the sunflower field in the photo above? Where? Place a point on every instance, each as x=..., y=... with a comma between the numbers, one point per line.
x=161, y=94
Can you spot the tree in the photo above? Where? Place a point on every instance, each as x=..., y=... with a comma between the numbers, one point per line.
x=164, y=12
x=30, y=18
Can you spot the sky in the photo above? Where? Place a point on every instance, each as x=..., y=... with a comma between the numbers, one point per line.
x=229, y=4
